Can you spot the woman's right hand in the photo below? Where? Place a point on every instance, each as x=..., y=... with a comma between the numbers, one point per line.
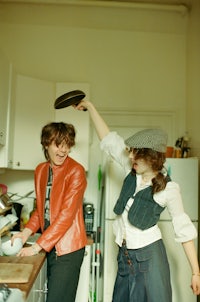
x=82, y=106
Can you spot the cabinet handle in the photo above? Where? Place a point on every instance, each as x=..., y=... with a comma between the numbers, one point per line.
x=1, y=134
x=43, y=291
x=18, y=163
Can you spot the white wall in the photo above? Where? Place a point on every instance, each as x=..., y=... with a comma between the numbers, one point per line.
x=193, y=76
x=133, y=59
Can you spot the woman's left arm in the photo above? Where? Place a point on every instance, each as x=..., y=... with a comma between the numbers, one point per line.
x=191, y=254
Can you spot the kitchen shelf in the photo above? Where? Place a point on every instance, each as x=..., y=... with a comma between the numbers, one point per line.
x=3, y=211
x=6, y=229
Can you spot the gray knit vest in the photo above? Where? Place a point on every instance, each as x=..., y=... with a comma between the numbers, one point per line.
x=144, y=212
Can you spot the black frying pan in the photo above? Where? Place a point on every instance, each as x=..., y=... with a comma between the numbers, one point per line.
x=70, y=98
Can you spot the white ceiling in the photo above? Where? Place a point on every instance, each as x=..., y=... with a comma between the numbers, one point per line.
x=160, y=2
x=164, y=2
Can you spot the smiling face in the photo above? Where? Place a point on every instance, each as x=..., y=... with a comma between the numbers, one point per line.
x=58, y=154
x=57, y=140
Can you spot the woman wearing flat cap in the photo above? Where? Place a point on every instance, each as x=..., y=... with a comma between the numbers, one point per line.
x=143, y=270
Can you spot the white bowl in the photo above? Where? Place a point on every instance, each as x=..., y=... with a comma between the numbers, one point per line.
x=11, y=250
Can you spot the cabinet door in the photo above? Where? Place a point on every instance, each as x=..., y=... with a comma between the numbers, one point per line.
x=80, y=120
x=43, y=283
x=5, y=107
x=82, y=293
x=4, y=95
x=34, y=294
x=38, y=291
x=33, y=109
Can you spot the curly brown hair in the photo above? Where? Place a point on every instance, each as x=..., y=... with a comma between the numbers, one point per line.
x=57, y=132
x=156, y=160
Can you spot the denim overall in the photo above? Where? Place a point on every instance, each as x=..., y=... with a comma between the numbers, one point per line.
x=143, y=274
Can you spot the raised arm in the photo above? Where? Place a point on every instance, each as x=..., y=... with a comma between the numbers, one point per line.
x=99, y=124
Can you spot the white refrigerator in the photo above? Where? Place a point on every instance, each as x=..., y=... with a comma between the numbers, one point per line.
x=185, y=173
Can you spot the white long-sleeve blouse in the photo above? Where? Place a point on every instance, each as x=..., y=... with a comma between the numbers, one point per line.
x=170, y=197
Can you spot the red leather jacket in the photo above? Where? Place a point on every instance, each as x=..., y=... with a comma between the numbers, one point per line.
x=67, y=229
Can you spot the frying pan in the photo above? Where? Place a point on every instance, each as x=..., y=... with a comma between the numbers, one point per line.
x=73, y=97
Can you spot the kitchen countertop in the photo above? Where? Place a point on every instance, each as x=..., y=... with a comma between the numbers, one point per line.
x=37, y=262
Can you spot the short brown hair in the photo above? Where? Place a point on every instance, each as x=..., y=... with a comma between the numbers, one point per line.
x=57, y=132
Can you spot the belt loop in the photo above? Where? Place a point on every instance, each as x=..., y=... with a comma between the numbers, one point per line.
x=124, y=242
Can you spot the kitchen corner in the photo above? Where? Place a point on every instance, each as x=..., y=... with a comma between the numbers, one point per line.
x=33, y=283
x=36, y=279
x=27, y=276
x=21, y=278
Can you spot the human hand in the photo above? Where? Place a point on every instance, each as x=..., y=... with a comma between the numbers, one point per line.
x=23, y=235
x=29, y=251
x=82, y=106
x=17, y=235
x=195, y=284
x=26, y=251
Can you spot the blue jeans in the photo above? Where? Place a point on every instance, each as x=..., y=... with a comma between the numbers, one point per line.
x=143, y=275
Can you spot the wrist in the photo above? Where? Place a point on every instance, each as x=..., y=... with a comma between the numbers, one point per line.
x=26, y=232
x=36, y=248
x=195, y=274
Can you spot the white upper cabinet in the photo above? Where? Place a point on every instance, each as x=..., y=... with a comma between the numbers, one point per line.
x=4, y=96
x=5, y=107
x=33, y=109
x=80, y=120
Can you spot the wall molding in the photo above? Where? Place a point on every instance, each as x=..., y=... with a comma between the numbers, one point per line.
x=179, y=8
x=129, y=121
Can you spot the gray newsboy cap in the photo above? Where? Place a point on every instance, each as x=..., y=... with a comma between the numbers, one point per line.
x=155, y=139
